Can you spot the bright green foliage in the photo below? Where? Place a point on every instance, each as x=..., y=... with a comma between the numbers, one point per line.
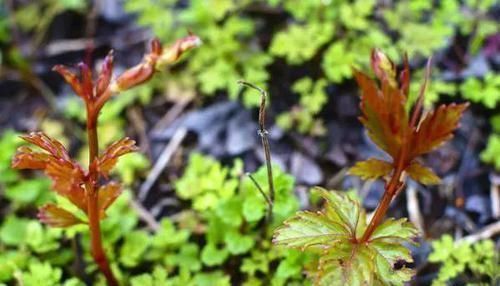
x=312, y=99
x=158, y=277
x=21, y=241
x=491, y=154
x=9, y=141
x=338, y=62
x=128, y=167
x=42, y=274
x=205, y=182
x=334, y=232
x=228, y=53
x=327, y=36
x=308, y=37
x=486, y=91
x=495, y=123
x=189, y=249
x=239, y=210
x=458, y=258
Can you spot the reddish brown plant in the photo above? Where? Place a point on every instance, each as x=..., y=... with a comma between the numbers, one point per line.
x=403, y=136
x=70, y=180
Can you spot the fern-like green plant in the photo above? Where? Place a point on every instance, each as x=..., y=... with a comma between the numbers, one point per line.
x=458, y=258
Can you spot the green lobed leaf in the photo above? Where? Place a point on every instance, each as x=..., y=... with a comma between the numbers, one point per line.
x=133, y=248
x=238, y=243
x=336, y=231
x=212, y=256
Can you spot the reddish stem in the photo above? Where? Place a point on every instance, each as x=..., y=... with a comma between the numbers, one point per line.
x=97, y=249
x=391, y=190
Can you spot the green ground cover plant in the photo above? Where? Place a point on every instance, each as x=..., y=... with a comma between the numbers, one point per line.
x=228, y=227
x=326, y=37
x=459, y=258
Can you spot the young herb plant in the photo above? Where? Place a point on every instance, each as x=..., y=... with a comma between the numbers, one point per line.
x=352, y=251
x=82, y=187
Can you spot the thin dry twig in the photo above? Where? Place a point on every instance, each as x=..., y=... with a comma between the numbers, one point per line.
x=171, y=115
x=145, y=215
x=413, y=208
x=495, y=195
x=162, y=162
x=263, y=133
x=484, y=233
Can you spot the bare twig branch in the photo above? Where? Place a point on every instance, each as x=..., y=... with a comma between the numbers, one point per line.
x=413, y=208
x=484, y=233
x=145, y=215
x=495, y=195
x=162, y=162
x=265, y=141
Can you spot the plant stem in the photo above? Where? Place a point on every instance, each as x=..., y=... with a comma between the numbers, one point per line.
x=97, y=249
x=265, y=145
x=391, y=190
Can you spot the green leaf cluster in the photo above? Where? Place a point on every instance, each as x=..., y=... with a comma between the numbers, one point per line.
x=335, y=234
x=459, y=259
x=312, y=99
x=224, y=200
x=326, y=37
x=195, y=247
x=485, y=91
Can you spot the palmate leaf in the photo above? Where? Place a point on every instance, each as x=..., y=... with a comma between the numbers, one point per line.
x=338, y=220
x=384, y=114
x=422, y=174
x=56, y=216
x=67, y=175
x=371, y=169
x=436, y=128
x=107, y=161
x=107, y=195
x=336, y=232
x=402, y=135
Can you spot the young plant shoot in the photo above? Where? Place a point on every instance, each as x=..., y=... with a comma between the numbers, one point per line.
x=352, y=251
x=83, y=187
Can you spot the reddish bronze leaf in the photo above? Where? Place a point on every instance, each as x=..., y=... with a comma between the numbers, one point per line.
x=86, y=81
x=404, y=77
x=422, y=174
x=105, y=75
x=156, y=48
x=57, y=217
x=435, y=128
x=70, y=77
x=174, y=52
x=52, y=146
x=67, y=176
x=390, y=127
x=26, y=158
x=135, y=76
x=371, y=169
x=107, y=195
x=108, y=159
x=384, y=115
